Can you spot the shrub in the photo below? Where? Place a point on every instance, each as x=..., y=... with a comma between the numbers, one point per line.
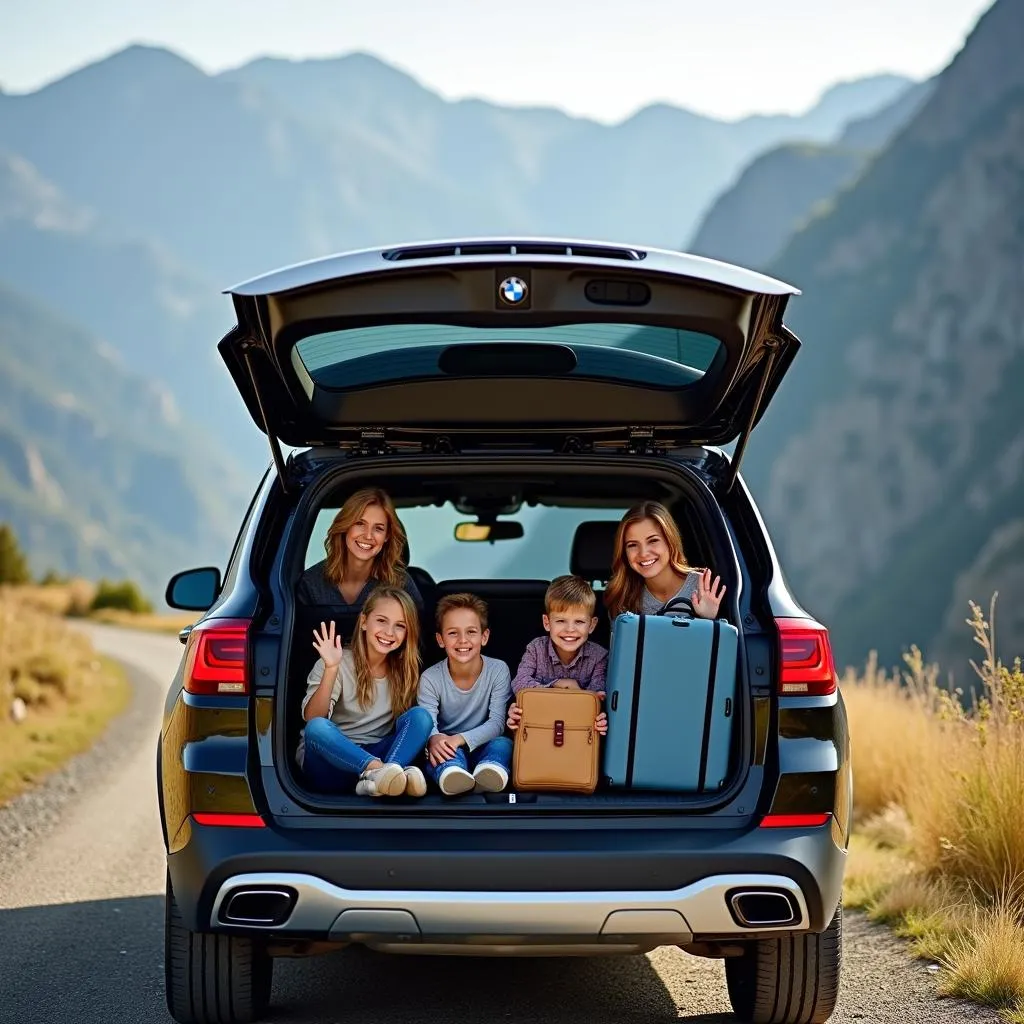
x=966, y=807
x=13, y=563
x=124, y=596
x=79, y=595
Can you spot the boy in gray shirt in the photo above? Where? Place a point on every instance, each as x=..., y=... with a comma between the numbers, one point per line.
x=466, y=695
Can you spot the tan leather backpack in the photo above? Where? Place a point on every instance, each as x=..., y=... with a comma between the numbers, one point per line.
x=556, y=744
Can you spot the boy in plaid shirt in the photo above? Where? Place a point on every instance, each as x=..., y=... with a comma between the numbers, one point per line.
x=566, y=657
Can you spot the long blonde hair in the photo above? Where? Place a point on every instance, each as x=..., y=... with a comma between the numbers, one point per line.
x=387, y=566
x=625, y=589
x=401, y=666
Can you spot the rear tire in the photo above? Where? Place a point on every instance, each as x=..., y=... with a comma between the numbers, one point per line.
x=210, y=978
x=793, y=979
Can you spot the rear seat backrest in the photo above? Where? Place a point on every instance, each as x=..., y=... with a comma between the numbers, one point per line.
x=593, y=545
x=515, y=608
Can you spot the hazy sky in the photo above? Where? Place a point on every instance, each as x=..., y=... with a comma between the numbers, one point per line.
x=600, y=58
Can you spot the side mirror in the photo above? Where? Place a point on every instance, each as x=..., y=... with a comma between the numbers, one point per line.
x=193, y=590
x=506, y=530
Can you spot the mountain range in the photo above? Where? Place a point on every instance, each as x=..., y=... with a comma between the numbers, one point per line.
x=281, y=161
x=778, y=191
x=132, y=190
x=890, y=465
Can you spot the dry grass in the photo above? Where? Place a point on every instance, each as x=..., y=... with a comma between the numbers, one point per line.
x=150, y=622
x=69, y=693
x=69, y=599
x=73, y=599
x=870, y=871
x=939, y=850
x=898, y=724
x=986, y=959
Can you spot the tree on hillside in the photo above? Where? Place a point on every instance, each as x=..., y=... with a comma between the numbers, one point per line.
x=13, y=563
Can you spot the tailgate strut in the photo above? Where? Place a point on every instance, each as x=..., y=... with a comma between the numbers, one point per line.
x=275, y=445
x=774, y=346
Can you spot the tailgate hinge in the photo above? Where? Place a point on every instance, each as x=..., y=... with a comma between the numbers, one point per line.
x=774, y=346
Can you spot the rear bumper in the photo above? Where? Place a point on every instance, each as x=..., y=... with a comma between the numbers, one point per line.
x=626, y=888
x=627, y=918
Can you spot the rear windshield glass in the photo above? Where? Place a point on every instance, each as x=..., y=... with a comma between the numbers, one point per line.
x=541, y=553
x=644, y=354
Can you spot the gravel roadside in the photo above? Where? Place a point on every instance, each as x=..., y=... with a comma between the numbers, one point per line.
x=81, y=878
x=27, y=819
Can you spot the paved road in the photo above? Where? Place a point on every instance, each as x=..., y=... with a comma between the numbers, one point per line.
x=81, y=923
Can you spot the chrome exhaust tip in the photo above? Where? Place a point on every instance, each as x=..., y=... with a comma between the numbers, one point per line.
x=763, y=908
x=258, y=908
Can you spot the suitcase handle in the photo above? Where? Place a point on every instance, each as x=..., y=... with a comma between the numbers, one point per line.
x=615, y=700
x=677, y=604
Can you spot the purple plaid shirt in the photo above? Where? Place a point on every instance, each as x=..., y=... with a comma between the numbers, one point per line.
x=541, y=666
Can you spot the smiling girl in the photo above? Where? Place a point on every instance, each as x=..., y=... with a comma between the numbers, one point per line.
x=363, y=730
x=649, y=568
x=364, y=547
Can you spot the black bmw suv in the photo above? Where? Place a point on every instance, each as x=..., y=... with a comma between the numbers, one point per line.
x=533, y=389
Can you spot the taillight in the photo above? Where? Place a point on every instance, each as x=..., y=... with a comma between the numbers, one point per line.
x=805, y=663
x=217, y=656
x=229, y=820
x=795, y=820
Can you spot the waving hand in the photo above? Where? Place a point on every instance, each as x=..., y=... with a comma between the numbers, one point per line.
x=708, y=597
x=327, y=644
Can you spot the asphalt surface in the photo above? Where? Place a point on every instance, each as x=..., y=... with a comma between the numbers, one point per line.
x=81, y=922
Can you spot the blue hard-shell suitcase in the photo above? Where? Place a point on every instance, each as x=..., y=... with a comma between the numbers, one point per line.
x=671, y=703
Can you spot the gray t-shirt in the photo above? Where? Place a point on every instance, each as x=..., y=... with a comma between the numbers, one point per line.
x=650, y=605
x=478, y=714
x=361, y=725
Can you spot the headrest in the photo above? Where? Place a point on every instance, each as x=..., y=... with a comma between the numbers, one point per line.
x=592, y=548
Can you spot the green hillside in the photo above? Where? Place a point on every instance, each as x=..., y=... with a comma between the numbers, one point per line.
x=98, y=473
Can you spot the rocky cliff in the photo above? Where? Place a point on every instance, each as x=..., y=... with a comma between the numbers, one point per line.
x=890, y=466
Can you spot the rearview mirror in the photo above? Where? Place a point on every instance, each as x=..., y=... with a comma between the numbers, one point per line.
x=508, y=530
x=194, y=590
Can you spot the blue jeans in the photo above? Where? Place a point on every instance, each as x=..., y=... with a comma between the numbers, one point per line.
x=496, y=751
x=332, y=762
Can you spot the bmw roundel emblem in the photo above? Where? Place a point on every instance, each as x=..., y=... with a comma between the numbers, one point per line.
x=512, y=290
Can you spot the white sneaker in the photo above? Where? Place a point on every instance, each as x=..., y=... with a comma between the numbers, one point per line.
x=490, y=778
x=415, y=782
x=455, y=780
x=387, y=780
